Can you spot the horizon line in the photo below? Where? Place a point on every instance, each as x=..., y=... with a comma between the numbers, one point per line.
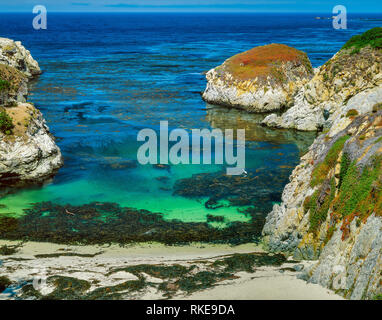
x=203, y=11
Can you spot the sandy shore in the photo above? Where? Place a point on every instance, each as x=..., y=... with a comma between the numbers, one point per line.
x=267, y=284
x=97, y=265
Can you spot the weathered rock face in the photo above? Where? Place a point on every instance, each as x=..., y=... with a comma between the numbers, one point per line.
x=13, y=85
x=351, y=71
x=14, y=54
x=262, y=79
x=28, y=153
x=331, y=209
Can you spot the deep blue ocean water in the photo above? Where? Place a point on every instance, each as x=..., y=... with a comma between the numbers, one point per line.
x=106, y=76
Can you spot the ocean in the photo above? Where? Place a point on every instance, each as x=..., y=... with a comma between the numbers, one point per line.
x=107, y=76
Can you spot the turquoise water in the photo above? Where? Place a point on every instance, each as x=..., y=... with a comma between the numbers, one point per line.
x=108, y=76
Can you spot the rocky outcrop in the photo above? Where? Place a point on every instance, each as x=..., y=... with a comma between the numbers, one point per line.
x=13, y=85
x=262, y=79
x=28, y=153
x=352, y=70
x=331, y=210
x=13, y=53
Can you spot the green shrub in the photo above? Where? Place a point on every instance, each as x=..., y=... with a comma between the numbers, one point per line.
x=345, y=163
x=372, y=38
x=318, y=213
x=319, y=173
x=4, y=85
x=377, y=107
x=6, y=124
x=352, y=113
x=359, y=192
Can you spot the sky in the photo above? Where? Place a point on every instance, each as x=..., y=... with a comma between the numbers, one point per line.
x=319, y=6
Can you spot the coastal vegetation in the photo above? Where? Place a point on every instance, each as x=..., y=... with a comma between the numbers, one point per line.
x=372, y=38
x=355, y=193
x=264, y=60
x=352, y=113
x=4, y=85
x=6, y=123
x=320, y=171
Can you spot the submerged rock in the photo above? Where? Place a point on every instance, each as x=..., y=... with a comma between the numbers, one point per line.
x=263, y=79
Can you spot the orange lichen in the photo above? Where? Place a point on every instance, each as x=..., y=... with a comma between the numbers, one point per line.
x=262, y=61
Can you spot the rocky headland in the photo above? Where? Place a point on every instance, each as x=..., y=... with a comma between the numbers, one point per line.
x=330, y=210
x=28, y=152
x=352, y=71
x=262, y=79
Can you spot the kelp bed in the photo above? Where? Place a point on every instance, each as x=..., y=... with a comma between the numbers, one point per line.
x=175, y=279
x=100, y=223
x=258, y=188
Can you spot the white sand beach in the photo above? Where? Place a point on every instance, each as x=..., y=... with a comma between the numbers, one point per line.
x=96, y=264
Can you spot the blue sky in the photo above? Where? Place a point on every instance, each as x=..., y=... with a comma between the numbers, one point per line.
x=321, y=6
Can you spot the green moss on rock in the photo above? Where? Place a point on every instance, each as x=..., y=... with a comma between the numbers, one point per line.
x=372, y=38
x=6, y=123
x=352, y=113
x=321, y=170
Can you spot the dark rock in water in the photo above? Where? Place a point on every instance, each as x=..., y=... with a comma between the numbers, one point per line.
x=163, y=179
x=256, y=188
x=212, y=204
x=211, y=218
x=4, y=283
x=162, y=166
x=120, y=164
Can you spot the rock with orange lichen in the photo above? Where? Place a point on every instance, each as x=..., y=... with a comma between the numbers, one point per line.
x=263, y=79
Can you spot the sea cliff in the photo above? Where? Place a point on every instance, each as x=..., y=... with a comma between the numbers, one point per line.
x=331, y=210
x=28, y=152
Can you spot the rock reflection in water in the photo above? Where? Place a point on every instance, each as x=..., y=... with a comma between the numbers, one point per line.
x=226, y=118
